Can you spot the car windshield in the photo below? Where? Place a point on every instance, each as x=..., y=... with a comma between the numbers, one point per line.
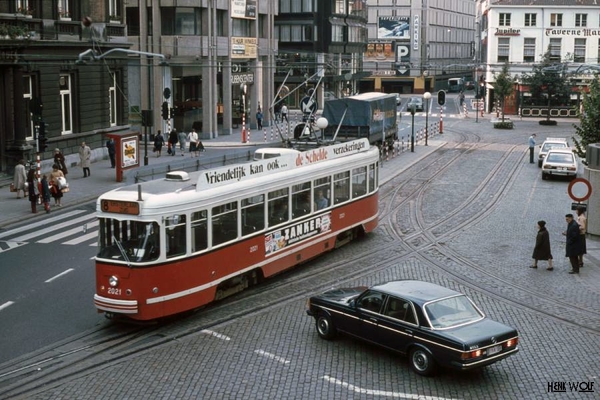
x=549, y=146
x=451, y=312
x=561, y=158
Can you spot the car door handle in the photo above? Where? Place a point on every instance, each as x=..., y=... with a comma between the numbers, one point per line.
x=408, y=331
x=373, y=320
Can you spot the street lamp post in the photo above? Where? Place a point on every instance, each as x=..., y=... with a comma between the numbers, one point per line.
x=412, y=136
x=426, y=96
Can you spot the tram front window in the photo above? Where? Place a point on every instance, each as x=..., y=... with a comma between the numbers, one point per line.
x=131, y=241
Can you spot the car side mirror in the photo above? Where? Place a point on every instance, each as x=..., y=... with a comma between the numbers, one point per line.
x=352, y=303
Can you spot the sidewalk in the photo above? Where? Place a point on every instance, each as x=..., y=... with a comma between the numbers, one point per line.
x=103, y=178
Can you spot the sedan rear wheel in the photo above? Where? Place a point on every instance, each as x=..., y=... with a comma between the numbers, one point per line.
x=421, y=362
x=325, y=327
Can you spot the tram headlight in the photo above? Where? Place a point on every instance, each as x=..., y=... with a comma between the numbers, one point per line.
x=113, y=281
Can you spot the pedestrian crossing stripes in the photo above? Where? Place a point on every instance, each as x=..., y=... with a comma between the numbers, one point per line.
x=65, y=229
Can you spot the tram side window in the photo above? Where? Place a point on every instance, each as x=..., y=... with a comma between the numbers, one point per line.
x=133, y=241
x=253, y=214
x=176, y=237
x=359, y=181
x=224, y=223
x=322, y=193
x=199, y=231
x=278, y=206
x=341, y=187
x=372, y=177
x=301, y=200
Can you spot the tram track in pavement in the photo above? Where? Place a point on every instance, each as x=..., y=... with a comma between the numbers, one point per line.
x=101, y=346
x=94, y=350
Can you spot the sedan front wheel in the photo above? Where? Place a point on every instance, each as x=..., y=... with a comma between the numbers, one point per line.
x=422, y=362
x=325, y=327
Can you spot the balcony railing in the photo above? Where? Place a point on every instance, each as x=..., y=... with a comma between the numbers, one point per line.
x=15, y=26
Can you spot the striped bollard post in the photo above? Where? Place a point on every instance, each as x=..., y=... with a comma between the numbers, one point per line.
x=441, y=120
x=265, y=134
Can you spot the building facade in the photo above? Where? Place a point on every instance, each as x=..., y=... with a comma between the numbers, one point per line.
x=416, y=45
x=321, y=43
x=219, y=55
x=520, y=32
x=42, y=83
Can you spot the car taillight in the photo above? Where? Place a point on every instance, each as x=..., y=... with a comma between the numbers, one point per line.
x=471, y=354
x=511, y=342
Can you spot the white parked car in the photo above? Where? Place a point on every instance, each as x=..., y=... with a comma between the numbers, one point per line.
x=559, y=162
x=549, y=144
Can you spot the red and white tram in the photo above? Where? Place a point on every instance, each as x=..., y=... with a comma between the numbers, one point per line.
x=178, y=243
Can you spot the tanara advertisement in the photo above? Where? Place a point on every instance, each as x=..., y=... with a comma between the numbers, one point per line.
x=279, y=240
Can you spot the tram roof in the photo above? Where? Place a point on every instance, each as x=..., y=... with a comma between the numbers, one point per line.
x=160, y=193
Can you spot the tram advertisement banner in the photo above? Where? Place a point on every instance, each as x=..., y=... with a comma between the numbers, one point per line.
x=280, y=239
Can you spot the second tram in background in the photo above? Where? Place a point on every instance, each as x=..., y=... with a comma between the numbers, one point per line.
x=178, y=243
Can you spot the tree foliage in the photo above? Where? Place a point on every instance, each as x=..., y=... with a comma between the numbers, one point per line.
x=588, y=128
x=548, y=83
x=504, y=86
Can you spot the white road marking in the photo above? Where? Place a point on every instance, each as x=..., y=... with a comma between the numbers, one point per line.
x=11, y=245
x=59, y=275
x=46, y=221
x=7, y=304
x=53, y=228
x=83, y=238
x=71, y=232
x=215, y=334
x=272, y=356
x=381, y=393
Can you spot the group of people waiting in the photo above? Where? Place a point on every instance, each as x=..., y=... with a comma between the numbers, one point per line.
x=42, y=190
x=181, y=138
x=575, y=246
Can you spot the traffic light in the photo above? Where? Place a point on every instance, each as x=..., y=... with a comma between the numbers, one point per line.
x=42, y=139
x=165, y=110
x=441, y=97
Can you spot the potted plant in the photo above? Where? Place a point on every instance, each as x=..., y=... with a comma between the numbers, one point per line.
x=27, y=12
x=3, y=31
x=64, y=15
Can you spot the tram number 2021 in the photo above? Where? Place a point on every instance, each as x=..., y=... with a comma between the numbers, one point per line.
x=115, y=291
x=253, y=248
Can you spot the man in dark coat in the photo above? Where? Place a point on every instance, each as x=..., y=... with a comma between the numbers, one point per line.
x=110, y=145
x=574, y=247
x=542, y=251
x=173, y=139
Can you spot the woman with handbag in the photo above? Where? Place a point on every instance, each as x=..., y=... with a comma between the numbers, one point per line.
x=55, y=189
x=159, y=141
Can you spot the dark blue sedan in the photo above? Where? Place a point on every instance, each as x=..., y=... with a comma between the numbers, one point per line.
x=433, y=325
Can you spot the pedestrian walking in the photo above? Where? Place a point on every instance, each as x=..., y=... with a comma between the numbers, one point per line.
x=193, y=141
x=20, y=178
x=573, y=247
x=542, y=251
x=55, y=189
x=85, y=156
x=531, y=147
x=582, y=222
x=284, y=113
x=182, y=142
x=461, y=98
x=173, y=139
x=45, y=193
x=277, y=109
x=110, y=145
x=59, y=159
x=32, y=190
x=259, y=118
x=159, y=141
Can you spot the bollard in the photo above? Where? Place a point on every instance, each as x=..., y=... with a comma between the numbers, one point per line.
x=265, y=134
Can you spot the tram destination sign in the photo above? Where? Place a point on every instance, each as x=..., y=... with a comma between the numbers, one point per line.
x=120, y=207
